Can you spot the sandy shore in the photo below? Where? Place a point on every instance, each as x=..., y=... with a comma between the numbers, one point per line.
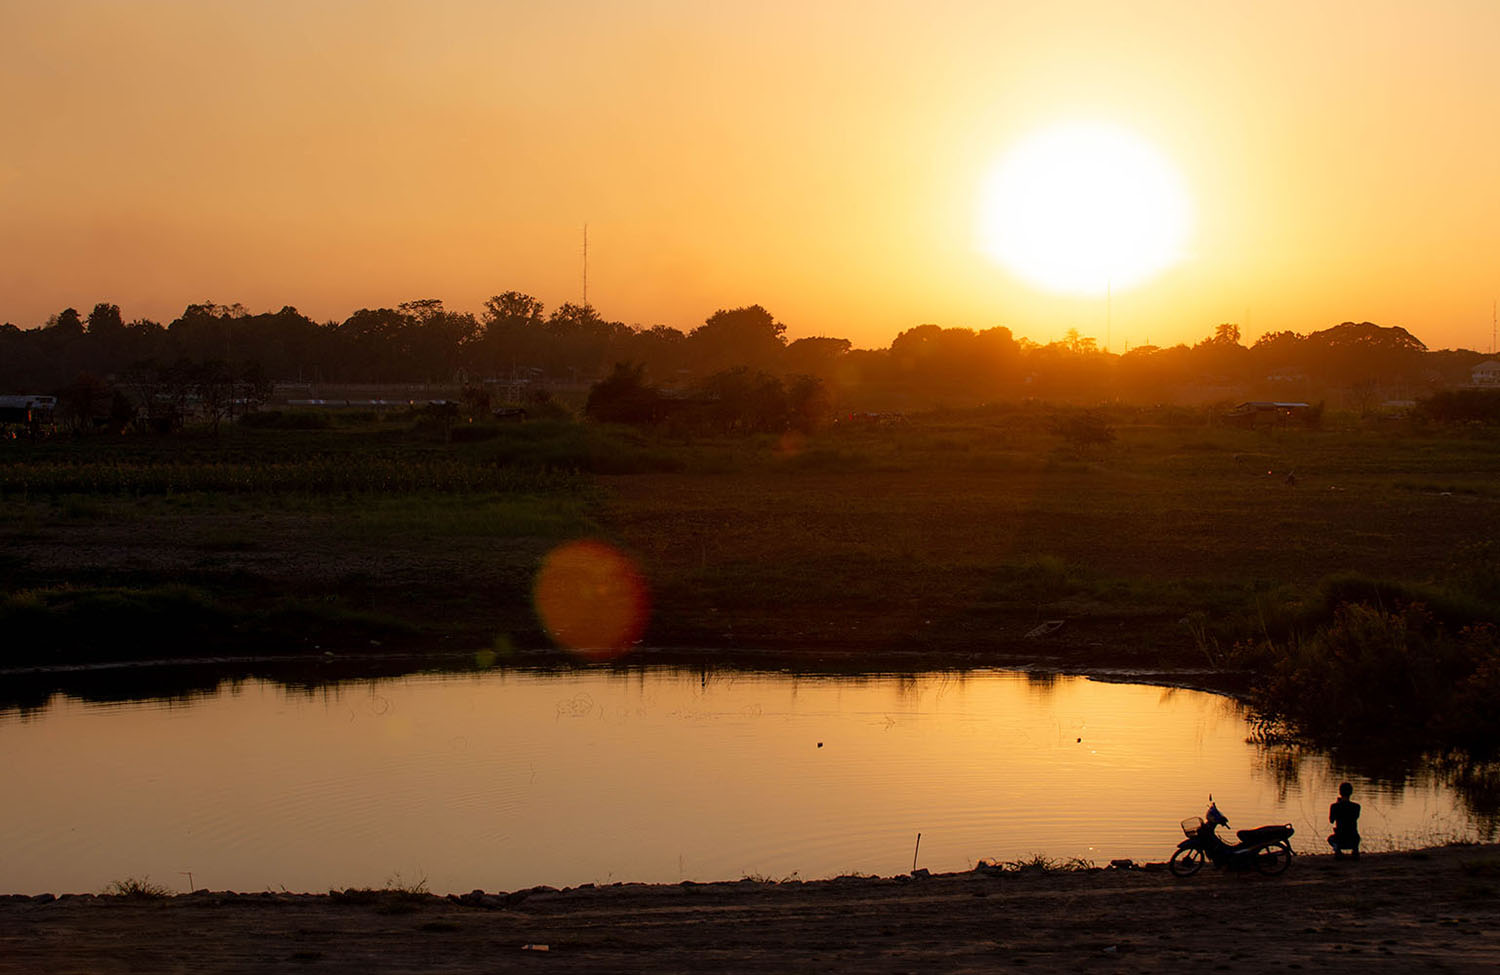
x=1429, y=910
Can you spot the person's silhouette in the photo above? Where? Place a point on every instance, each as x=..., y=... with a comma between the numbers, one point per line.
x=1344, y=815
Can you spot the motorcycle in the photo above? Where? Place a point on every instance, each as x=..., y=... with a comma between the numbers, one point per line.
x=1264, y=848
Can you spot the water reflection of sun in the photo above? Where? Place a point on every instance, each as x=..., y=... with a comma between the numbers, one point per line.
x=1083, y=207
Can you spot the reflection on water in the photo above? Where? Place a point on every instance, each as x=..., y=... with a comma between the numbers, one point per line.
x=510, y=778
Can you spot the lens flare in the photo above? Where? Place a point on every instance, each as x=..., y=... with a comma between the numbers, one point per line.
x=791, y=444
x=592, y=599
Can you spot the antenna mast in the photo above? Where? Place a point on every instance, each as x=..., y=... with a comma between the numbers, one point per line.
x=1493, y=321
x=585, y=265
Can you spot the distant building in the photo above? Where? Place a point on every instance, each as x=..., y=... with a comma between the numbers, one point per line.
x=27, y=412
x=27, y=409
x=1487, y=373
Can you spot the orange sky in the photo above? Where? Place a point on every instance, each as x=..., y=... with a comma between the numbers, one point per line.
x=822, y=159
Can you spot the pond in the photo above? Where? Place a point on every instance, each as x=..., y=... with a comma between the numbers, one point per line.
x=507, y=779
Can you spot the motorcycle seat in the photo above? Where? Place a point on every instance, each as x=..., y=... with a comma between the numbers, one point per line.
x=1265, y=833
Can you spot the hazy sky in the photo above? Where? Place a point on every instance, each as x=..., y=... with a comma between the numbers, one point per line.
x=822, y=159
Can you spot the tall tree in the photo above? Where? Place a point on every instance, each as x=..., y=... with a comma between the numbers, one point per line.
x=434, y=340
x=748, y=337
x=1226, y=333
x=105, y=320
x=512, y=337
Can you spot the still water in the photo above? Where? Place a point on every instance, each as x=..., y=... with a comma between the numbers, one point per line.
x=509, y=779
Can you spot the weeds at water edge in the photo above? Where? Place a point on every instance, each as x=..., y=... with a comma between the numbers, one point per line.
x=137, y=888
x=1038, y=863
x=417, y=889
x=760, y=878
x=398, y=896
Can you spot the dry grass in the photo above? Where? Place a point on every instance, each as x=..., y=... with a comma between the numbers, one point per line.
x=138, y=888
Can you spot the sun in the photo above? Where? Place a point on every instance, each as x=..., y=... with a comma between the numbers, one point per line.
x=1083, y=207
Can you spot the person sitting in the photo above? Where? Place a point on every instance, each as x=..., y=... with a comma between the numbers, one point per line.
x=1344, y=815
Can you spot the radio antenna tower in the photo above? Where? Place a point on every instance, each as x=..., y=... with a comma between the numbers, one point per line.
x=1494, y=305
x=585, y=265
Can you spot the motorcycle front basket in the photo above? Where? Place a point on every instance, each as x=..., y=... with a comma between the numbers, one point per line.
x=1191, y=825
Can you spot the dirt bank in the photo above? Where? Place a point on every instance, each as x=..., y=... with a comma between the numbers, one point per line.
x=1417, y=911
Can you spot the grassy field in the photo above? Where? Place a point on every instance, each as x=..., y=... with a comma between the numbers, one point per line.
x=948, y=537
x=966, y=532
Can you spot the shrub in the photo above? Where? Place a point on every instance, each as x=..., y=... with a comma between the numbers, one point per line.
x=1461, y=406
x=137, y=888
x=1085, y=430
x=624, y=396
x=1374, y=675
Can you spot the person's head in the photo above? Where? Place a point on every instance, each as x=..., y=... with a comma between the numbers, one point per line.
x=1346, y=790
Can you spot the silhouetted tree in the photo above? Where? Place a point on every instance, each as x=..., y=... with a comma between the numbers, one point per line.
x=807, y=403
x=162, y=392
x=434, y=340
x=663, y=350
x=1220, y=359
x=926, y=365
x=67, y=322
x=86, y=397
x=624, y=397
x=105, y=320
x=512, y=306
x=1226, y=333
x=817, y=356
x=371, y=346
x=745, y=400
x=213, y=386
x=253, y=386
x=956, y=366
x=511, y=336
x=747, y=337
x=205, y=331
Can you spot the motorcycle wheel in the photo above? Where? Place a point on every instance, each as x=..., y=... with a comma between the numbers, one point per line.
x=1273, y=859
x=1186, y=862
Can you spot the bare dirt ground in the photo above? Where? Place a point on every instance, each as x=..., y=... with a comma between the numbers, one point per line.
x=1430, y=910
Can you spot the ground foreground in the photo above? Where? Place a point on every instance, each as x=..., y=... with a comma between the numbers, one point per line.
x=1433, y=910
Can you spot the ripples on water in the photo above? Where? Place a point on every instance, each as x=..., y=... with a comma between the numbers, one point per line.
x=507, y=779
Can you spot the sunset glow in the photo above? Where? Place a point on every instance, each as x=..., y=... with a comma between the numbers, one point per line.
x=824, y=161
x=1081, y=208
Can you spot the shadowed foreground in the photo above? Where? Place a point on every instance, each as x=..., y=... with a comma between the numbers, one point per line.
x=1425, y=910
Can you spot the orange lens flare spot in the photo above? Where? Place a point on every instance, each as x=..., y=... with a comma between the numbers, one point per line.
x=592, y=599
x=791, y=444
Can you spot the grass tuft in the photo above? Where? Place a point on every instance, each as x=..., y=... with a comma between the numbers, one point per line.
x=1040, y=863
x=137, y=888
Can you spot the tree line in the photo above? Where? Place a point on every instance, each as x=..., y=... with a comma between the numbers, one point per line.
x=516, y=338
